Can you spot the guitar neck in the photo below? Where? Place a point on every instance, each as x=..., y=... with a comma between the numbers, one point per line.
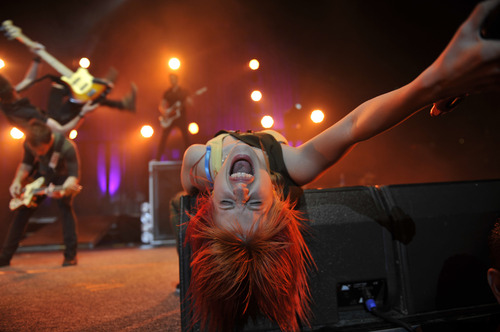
x=46, y=56
x=54, y=63
x=43, y=190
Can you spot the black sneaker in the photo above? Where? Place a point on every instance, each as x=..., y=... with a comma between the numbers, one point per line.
x=69, y=262
x=4, y=262
x=129, y=100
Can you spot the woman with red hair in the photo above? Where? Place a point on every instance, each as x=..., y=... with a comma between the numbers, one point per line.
x=249, y=258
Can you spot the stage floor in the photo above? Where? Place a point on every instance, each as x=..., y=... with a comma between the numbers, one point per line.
x=111, y=289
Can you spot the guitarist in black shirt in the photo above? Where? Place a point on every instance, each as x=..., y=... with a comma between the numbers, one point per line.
x=55, y=158
x=173, y=113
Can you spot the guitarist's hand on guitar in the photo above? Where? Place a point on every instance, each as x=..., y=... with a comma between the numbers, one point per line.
x=15, y=189
x=88, y=107
x=72, y=189
x=54, y=192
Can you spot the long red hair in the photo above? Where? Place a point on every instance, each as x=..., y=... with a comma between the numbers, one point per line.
x=237, y=275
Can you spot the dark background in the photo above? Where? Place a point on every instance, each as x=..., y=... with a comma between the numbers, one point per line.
x=331, y=55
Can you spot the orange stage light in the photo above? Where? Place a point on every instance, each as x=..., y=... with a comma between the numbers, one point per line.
x=267, y=121
x=147, y=131
x=193, y=128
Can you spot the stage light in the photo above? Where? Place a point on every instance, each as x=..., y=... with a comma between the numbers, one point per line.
x=193, y=128
x=317, y=116
x=84, y=63
x=174, y=63
x=2, y=63
x=73, y=134
x=147, y=131
x=254, y=64
x=16, y=133
x=267, y=121
x=256, y=95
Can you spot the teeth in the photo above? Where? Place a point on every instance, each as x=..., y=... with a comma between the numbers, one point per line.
x=241, y=175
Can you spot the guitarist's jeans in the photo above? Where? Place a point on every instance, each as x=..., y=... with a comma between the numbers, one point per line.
x=181, y=124
x=21, y=218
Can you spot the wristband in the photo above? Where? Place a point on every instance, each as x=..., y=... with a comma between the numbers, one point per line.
x=81, y=115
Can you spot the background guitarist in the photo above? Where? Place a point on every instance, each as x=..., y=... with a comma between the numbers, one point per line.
x=173, y=106
x=54, y=157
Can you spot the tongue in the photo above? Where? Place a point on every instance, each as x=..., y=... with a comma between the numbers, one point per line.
x=242, y=166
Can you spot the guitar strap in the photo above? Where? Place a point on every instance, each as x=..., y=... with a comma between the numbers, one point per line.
x=54, y=158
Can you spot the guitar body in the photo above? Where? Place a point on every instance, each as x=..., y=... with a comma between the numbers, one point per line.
x=28, y=194
x=84, y=87
x=36, y=188
x=171, y=114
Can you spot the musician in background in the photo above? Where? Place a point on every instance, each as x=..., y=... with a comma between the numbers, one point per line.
x=19, y=111
x=55, y=158
x=60, y=106
x=173, y=113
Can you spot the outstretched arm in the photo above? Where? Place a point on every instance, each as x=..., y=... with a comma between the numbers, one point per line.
x=30, y=76
x=469, y=64
x=23, y=170
x=74, y=123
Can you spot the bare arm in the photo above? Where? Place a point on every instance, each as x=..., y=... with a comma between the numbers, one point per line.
x=163, y=106
x=469, y=64
x=74, y=123
x=30, y=76
x=23, y=170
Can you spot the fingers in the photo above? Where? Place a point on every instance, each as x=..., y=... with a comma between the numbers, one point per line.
x=481, y=11
x=15, y=190
x=89, y=106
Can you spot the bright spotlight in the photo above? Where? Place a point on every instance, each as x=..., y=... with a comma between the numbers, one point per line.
x=16, y=133
x=73, y=134
x=267, y=121
x=174, y=63
x=317, y=116
x=84, y=63
x=254, y=64
x=2, y=63
x=147, y=131
x=193, y=128
x=256, y=95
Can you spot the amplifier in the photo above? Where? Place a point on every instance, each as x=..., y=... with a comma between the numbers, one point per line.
x=164, y=184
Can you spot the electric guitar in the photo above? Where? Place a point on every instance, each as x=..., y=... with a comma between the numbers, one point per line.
x=84, y=87
x=174, y=112
x=36, y=188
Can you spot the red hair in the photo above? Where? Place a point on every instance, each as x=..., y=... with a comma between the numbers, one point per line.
x=237, y=275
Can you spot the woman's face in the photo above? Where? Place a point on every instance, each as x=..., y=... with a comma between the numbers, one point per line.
x=243, y=190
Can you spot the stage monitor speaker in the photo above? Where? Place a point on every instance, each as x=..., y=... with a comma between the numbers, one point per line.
x=444, y=265
x=351, y=247
x=164, y=184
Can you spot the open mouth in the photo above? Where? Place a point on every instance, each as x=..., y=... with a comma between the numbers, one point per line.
x=241, y=168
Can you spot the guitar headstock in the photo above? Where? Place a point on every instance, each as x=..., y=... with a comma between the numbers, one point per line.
x=14, y=32
x=201, y=91
x=10, y=30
